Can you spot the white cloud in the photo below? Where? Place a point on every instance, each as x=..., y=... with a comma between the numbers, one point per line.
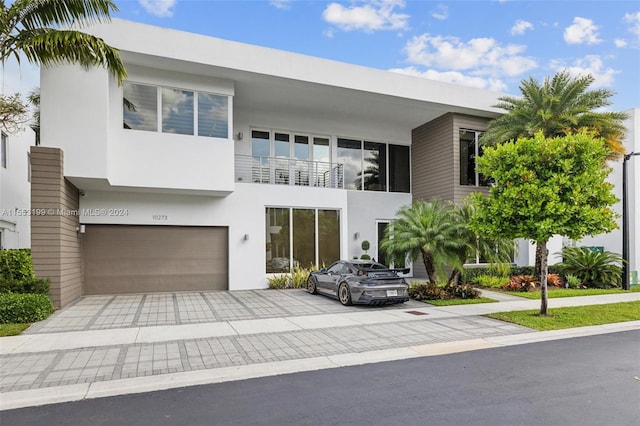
x=441, y=12
x=590, y=64
x=455, y=77
x=161, y=8
x=281, y=4
x=520, y=27
x=582, y=31
x=481, y=56
x=369, y=15
x=620, y=42
x=633, y=19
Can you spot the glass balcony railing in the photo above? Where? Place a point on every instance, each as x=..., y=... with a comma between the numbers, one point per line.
x=288, y=171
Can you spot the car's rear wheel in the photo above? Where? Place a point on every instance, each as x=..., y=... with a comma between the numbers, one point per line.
x=344, y=294
x=311, y=286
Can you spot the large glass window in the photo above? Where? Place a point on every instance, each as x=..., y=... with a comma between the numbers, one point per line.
x=140, y=104
x=260, y=150
x=399, y=175
x=304, y=237
x=328, y=237
x=3, y=150
x=375, y=166
x=470, y=149
x=314, y=238
x=350, y=156
x=177, y=111
x=213, y=115
x=278, y=247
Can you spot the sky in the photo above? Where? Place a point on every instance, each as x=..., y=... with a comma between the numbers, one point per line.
x=491, y=44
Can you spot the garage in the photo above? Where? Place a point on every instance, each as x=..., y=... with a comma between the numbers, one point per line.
x=136, y=259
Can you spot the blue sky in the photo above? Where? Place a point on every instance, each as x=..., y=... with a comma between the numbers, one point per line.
x=491, y=44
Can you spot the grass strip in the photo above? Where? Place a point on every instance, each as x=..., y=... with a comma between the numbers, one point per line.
x=576, y=316
x=572, y=292
x=12, y=329
x=450, y=302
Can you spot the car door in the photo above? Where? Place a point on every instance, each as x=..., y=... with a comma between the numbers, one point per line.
x=326, y=281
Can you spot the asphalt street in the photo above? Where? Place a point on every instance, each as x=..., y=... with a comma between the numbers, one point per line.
x=583, y=381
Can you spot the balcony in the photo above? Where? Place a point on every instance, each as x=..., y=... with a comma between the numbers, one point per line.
x=288, y=171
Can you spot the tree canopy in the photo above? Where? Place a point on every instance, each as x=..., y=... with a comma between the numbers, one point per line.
x=559, y=106
x=543, y=187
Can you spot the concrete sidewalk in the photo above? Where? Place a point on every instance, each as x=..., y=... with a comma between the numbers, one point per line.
x=111, y=345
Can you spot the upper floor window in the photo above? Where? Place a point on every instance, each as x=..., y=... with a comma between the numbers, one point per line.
x=374, y=166
x=175, y=111
x=3, y=150
x=470, y=149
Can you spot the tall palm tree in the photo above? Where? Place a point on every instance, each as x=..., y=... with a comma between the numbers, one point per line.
x=428, y=230
x=559, y=106
x=39, y=30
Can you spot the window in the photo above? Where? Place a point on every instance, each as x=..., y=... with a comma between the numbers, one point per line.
x=180, y=111
x=301, y=236
x=470, y=149
x=399, y=178
x=374, y=173
x=140, y=104
x=177, y=111
x=350, y=155
x=3, y=150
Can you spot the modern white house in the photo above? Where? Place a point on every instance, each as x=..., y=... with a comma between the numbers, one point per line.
x=15, y=188
x=217, y=163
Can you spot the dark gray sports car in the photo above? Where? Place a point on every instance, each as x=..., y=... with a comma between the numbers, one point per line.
x=362, y=282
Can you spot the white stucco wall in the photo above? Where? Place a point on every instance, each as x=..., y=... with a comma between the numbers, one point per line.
x=15, y=192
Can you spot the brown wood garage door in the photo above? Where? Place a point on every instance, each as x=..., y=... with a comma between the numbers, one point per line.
x=135, y=259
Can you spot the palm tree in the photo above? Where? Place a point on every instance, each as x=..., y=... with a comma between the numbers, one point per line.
x=559, y=106
x=39, y=29
x=428, y=230
x=32, y=27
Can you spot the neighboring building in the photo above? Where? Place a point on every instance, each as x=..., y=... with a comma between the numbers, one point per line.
x=15, y=203
x=613, y=240
x=218, y=163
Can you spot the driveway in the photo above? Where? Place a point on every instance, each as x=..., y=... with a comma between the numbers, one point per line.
x=179, y=308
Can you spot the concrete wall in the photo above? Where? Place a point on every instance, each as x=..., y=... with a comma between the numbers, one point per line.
x=55, y=242
x=15, y=202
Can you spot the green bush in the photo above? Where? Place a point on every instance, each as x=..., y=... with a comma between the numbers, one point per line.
x=427, y=291
x=490, y=281
x=15, y=265
x=573, y=281
x=462, y=291
x=24, y=308
x=470, y=273
x=432, y=291
x=28, y=285
x=17, y=274
x=592, y=268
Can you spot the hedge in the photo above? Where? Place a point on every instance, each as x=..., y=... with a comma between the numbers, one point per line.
x=24, y=308
x=471, y=273
x=17, y=274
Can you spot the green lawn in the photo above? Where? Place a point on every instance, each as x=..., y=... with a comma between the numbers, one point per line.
x=12, y=329
x=577, y=316
x=571, y=292
x=449, y=302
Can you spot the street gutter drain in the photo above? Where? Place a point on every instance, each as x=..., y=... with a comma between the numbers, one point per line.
x=416, y=313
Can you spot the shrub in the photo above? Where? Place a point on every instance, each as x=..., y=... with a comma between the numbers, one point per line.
x=554, y=280
x=17, y=274
x=24, y=308
x=470, y=273
x=15, y=265
x=592, y=268
x=296, y=279
x=573, y=281
x=462, y=291
x=432, y=291
x=427, y=291
x=490, y=281
x=521, y=283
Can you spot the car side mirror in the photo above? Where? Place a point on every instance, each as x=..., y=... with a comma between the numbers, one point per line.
x=323, y=271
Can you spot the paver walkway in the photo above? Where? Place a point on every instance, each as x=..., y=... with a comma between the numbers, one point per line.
x=116, y=339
